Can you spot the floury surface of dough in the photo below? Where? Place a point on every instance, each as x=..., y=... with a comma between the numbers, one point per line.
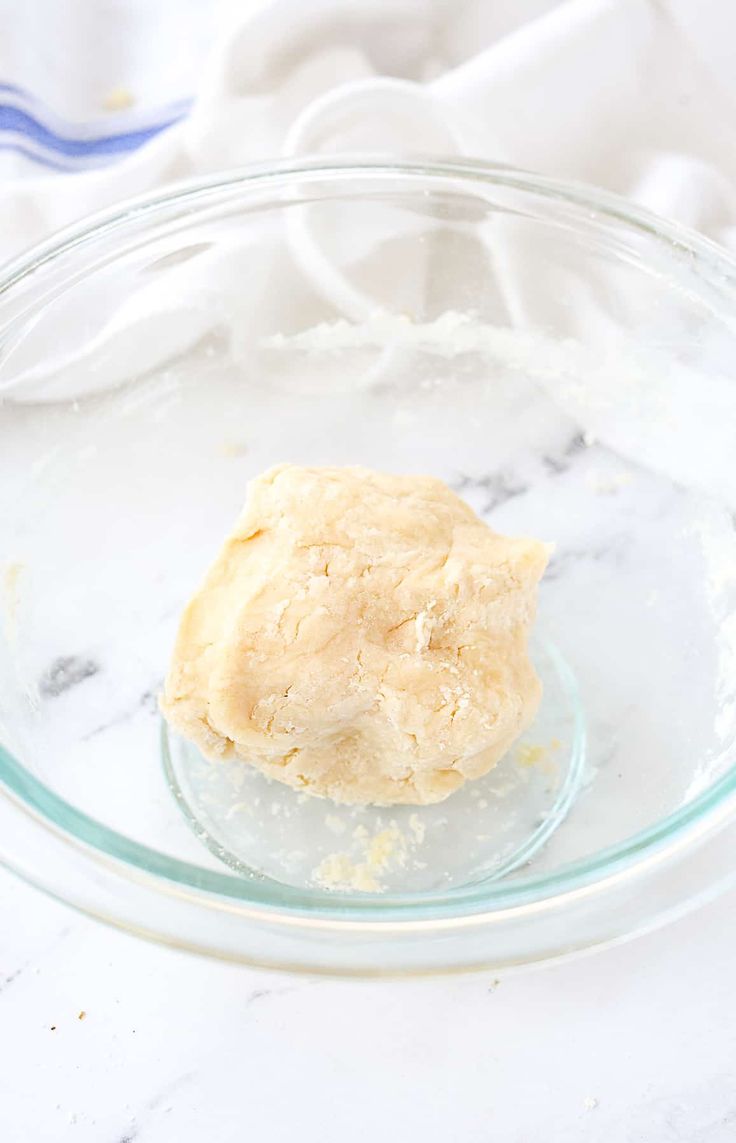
x=360, y=636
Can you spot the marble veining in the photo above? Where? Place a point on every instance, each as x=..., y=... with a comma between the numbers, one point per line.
x=147, y=704
x=64, y=673
x=558, y=463
x=496, y=488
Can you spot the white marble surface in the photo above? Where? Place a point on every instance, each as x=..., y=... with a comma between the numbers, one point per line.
x=636, y=1044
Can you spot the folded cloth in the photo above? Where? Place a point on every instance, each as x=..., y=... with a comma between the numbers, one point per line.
x=638, y=96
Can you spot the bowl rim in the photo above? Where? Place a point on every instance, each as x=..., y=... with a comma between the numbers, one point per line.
x=698, y=817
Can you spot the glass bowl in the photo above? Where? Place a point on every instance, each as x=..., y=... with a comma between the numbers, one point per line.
x=563, y=360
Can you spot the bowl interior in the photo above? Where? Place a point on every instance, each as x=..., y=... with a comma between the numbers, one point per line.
x=564, y=370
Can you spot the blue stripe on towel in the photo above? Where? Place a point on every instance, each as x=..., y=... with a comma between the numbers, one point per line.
x=22, y=123
x=18, y=149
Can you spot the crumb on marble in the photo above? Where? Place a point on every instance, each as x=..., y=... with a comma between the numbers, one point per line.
x=606, y=483
x=11, y=591
x=232, y=449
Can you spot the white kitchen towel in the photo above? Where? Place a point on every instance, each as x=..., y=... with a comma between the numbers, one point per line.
x=635, y=95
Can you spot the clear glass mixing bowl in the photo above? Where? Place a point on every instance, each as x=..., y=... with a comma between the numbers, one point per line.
x=561, y=358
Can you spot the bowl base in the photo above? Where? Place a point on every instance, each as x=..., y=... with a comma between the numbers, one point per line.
x=484, y=831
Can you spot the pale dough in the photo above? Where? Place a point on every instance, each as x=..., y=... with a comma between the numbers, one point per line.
x=360, y=636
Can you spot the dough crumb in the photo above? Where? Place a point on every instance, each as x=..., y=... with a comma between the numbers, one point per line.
x=338, y=871
x=417, y=827
x=232, y=449
x=360, y=873
x=11, y=578
x=539, y=755
x=606, y=483
x=361, y=637
x=530, y=755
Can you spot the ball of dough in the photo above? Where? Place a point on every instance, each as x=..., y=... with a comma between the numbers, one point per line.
x=360, y=636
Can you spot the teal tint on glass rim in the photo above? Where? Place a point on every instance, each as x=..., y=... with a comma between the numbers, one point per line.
x=559, y=357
